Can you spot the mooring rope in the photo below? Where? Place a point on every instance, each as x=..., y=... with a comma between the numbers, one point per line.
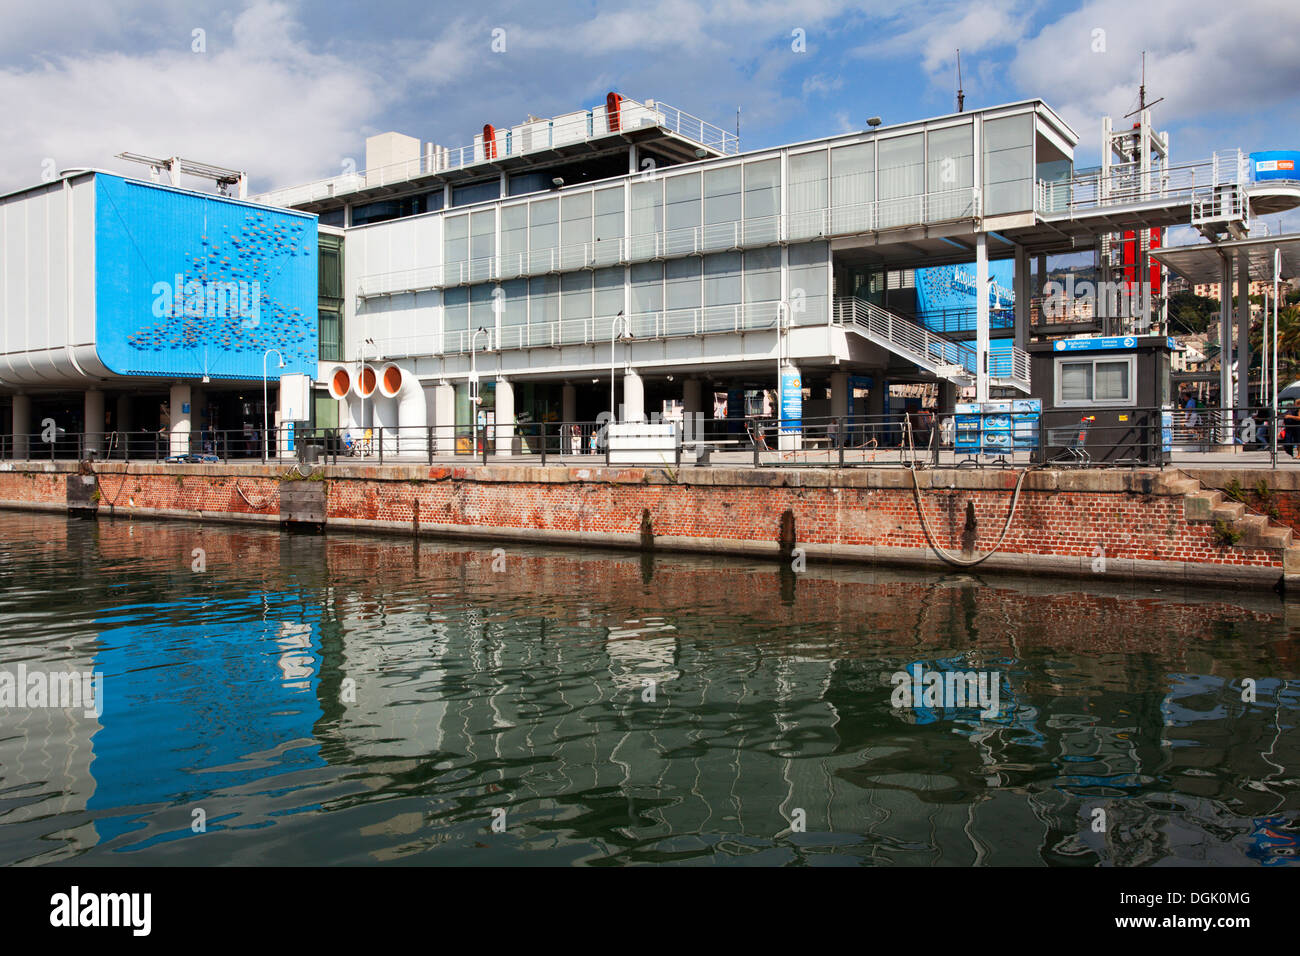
x=941, y=551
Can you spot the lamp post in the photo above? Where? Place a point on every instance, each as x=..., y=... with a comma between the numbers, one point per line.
x=361, y=377
x=475, y=400
x=266, y=410
x=614, y=337
x=782, y=323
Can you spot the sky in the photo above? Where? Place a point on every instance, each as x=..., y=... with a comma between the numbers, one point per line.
x=289, y=89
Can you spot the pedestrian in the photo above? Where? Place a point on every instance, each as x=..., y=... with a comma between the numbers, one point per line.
x=1291, y=429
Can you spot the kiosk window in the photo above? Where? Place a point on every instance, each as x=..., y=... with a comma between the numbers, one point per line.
x=1094, y=381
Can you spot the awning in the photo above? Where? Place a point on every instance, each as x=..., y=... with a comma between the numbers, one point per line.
x=1203, y=262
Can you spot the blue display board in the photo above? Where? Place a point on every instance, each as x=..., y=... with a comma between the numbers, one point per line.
x=791, y=400
x=997, y=428
x=190, y=285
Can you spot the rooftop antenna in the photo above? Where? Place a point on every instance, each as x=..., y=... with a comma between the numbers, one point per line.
x=961, y=96
x=737, y=126
x=1142, y=91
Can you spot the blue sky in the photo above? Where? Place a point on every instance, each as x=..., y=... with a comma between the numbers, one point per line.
x=290, y=90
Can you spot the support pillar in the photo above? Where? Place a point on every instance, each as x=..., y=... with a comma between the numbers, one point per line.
x=981, y=317
x=876, y=397
x=22, y=425
x=568, y=404
x=1225, y=351
x=840, y=396
x=180, y=414
x=1020, y=288
x=1040, y=277
x=691, y=392
x=94, y=419
x=124, y=420
x=444, y=418
x=505, y=416
x=1243, y=332
x=633, y=398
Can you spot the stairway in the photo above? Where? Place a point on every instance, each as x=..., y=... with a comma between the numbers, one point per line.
x=1257, y=531
x=937, y=354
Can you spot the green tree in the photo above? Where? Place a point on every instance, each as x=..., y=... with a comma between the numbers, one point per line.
x=1192, y=313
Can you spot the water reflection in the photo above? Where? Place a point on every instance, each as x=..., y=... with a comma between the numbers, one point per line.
x=359, y=699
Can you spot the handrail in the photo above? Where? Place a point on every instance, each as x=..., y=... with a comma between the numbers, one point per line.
x=528, y=137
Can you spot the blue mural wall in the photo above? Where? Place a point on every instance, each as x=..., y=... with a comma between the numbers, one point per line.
x=947, y=293
x=188, y=284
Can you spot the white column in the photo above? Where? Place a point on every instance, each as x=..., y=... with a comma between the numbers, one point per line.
x=444, y=418
x=94, y=417
x=505, y=416
x=1243, y=332
x=568, y=404
x=22, y=424
x=181, y=413
x=1225, y=349
x=981, y=317
x=633, y=398
x=840, y=396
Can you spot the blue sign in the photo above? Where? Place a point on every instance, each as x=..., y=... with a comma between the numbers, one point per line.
x=1094, y=344
x=791, y=400
x=190, y=285
x=946, y=299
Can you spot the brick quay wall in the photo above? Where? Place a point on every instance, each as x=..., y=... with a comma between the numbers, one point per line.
x=1159, y=525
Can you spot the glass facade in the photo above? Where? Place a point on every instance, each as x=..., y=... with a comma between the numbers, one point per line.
x=330, y=297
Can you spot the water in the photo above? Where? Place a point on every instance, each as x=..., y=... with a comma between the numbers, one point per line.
x=361, y=699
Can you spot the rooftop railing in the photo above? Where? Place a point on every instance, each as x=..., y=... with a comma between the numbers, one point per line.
x=529, y=137
x=1223, y=174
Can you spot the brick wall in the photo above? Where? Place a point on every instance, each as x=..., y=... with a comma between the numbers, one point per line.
x=1065, y=521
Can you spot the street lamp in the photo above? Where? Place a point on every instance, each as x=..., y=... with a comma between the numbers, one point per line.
x=361, y=377
x=266, y=410
x=475, y=400
x=615, y=337
x=782, y=323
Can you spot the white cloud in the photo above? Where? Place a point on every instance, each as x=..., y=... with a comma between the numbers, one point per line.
x=1208, y=59
x=259, y=99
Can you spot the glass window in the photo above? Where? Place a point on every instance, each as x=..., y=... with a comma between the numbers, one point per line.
x=722, y=279
x=647, y=287
x=514, y=239
x=682, y=284
x=575, y=296
x=1111, y=381
x=1107, y=381
x=607, y=225
x=853, y=187
x=514, y=305
x=331, y=335
x=543, y=300
x=482, y=234
x=1008, y=164
x=1076, y=381
x=543, y=233
x=479, y=192
x=762, y=200
x=455, y=309
x=762, y=275
x=808, y=194
x=808, y=283
x=901, y=160
x=455, y=239
x=575, y=219
x=722, y=195
x=608, y=284
x=682, y=210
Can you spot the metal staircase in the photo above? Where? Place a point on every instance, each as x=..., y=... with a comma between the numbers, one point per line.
x=941, y=356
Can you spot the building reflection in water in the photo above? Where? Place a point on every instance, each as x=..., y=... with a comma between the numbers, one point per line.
x=355, y=698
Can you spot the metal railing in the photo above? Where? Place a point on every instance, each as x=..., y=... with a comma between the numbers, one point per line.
x=530, y=137
x=1215, y=180
x=1066, y=438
